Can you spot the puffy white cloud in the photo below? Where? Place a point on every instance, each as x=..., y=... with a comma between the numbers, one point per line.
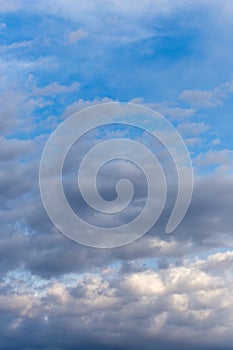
x=144, y=283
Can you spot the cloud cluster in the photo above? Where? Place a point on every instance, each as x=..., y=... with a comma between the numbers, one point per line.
x=170, y=291
x=189, y=304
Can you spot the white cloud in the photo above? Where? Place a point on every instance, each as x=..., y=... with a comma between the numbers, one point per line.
x=192, y=128
x=15, y=45
x=55, y=88
x=10, y=5
x=80, y=104
x=2, y=25
x=75, y=10
x=216, y=142
x=201, y=98
x=187, y=303
x=172, y=111
x=77, y=35
x=193, y=141
x=145, y=283
x=221, y=157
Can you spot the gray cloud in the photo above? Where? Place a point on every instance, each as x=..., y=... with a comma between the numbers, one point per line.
x=190, y=304
x=46, y=252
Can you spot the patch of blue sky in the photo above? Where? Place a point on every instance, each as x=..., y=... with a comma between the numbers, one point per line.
x=106, y=67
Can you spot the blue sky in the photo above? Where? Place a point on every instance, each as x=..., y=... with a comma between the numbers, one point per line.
x=58, y=57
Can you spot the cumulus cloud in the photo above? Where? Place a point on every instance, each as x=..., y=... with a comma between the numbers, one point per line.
x=122, y=308
x=207, y=98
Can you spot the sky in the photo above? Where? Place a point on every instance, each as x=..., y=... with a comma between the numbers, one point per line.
x=161, y=291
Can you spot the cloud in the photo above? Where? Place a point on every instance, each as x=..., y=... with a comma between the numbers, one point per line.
x=168, y=110
x=40, y=245
x=74, y=11
x=81, y=104
x=174, y=291
x=190, y=303
x=14, y=148
x=17, y=103
x=10, y=5
x=216, y=142
x=15, y=45
x=207, y=98
x=192, y=128
x=76, y=35
x=193, y=141
x=201, y=98
x=172, y=111
x=205, y=227
x=55, y=88
x=3, y=25
x=146, y=283
x=220, y=158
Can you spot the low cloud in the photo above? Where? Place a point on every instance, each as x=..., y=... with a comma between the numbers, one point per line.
x=188, y=305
